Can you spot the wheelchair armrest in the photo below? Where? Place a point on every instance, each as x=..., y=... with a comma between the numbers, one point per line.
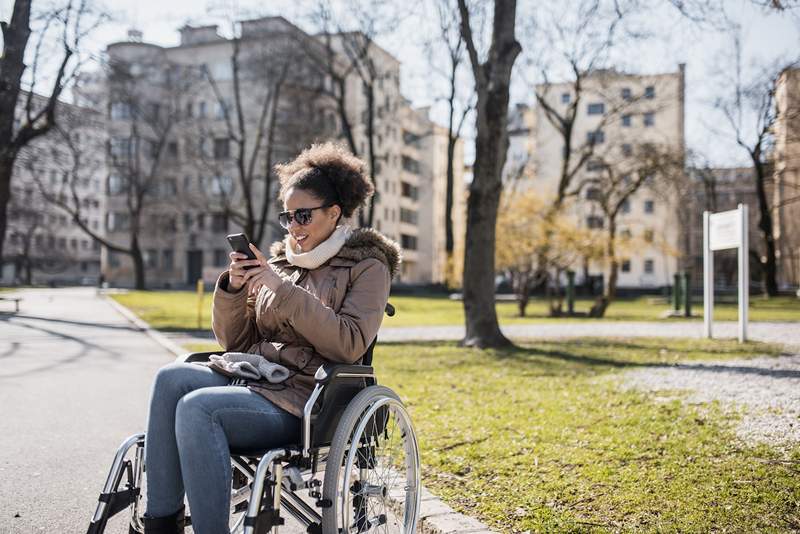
x=330, y=371
x=196, y=356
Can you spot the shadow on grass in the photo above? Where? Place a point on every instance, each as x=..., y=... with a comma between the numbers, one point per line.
x=595, y=356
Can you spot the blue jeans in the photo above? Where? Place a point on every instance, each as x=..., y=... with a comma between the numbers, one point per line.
x=194, y=418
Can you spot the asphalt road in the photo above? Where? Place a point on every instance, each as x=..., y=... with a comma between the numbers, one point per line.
x=75, y=379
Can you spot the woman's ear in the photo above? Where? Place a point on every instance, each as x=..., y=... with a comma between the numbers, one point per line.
x=336, y=211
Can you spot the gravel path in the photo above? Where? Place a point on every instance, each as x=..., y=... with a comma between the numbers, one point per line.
x=765, y=389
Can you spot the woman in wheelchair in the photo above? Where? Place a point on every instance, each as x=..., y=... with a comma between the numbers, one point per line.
x=319, y=298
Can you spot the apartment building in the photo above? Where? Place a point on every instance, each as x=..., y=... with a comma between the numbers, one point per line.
x=44, y=244
x=786, y=192
x=194, y=195
x=618, y=115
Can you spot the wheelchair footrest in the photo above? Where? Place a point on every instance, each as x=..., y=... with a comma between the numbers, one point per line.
x=119, y=500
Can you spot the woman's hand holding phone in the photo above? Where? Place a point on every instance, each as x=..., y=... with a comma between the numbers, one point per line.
x=253, y=273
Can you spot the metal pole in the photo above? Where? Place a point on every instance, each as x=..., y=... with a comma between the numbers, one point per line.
x=571, y=292
x=744, y=273
x=676, y=292
x=708, y=278
x=687, y=293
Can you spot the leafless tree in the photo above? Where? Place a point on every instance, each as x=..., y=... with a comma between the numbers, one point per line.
x=460, y=102
x=21, y=121
x=268, y=75
x=612, y=189
x=349, y=49
x=751, y=114
x=492, y=81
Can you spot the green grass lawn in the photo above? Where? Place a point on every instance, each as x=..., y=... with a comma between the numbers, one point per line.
x=177, y=310
x=541, y=438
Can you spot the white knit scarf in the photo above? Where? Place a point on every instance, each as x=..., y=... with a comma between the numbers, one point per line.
x=322, y=252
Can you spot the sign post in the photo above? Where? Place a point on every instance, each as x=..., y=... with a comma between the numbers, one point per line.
x=724, y=230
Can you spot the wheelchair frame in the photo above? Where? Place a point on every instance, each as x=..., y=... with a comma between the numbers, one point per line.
x=268, y=480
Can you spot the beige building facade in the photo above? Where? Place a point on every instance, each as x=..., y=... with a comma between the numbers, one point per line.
x=194, y=195
x=44, y=243
x=617, y=115
x=786, y=192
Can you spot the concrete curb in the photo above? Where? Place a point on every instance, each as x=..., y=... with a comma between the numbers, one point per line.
x=435, y=517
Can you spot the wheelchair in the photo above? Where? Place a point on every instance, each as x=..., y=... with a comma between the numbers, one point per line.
x=355, y=470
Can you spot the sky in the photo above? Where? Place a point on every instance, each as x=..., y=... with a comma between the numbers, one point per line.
x=766, y=37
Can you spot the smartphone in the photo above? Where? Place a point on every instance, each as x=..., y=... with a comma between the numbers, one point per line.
x=241, y=243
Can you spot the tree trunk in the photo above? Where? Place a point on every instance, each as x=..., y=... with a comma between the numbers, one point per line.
x=770, y=265
x=492, y=80
x=138, y=263
x=6, y=168
x=610, y=287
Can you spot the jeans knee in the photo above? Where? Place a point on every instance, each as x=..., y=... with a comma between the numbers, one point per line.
x=191, y=416
x=170, y=377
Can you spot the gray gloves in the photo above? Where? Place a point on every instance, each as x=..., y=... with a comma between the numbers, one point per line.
x=250, y=366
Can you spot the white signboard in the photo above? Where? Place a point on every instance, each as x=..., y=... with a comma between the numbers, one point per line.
x=724, y=230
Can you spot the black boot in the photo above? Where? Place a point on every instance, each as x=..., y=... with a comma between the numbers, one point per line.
x=171, y=524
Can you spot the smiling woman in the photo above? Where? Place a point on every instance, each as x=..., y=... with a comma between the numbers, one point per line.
x=319, y=298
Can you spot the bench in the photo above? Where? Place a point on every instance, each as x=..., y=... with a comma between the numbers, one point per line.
x=15, y=300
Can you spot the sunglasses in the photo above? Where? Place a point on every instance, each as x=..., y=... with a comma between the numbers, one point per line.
x=301, y=215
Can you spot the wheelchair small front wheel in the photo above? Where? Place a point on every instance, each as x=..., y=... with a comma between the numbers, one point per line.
x=372, y=475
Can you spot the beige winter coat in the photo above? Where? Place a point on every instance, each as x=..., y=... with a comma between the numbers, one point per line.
x=328, y=314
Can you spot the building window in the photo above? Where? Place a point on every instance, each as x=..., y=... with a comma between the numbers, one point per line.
x=221, y=148
x=113, y=258
x=648, y=266
x=649, y=92
x=119, y=147
x=411, y=165
x=596, y=137
x=649, y=206
x=649, y=118
x=626, y=94
x=625, y=208
x=220, y=257
x=167, y=259
x=593, y=193
x=408, y=241
x=627, y=150
x=189, y=110
x=120, y=110
x=201, y=109
x=565, y=98
x=626, y=120
x=648, y=235
x=594, y=221
x=594, y=165
x=626, y=266
x=151, y=258
x=598, y=108
x=409, y=191
x=219, y=222
x=408, y=216
x=626, y=234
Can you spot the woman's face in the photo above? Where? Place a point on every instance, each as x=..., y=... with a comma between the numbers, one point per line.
x=323, y=221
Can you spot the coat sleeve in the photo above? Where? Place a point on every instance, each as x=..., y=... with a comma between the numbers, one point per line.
x=233, y=317
x=344, y=336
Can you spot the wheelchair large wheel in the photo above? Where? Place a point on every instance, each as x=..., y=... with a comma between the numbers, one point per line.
x=372, y=475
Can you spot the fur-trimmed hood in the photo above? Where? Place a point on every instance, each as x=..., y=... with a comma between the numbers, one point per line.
x=363, y=243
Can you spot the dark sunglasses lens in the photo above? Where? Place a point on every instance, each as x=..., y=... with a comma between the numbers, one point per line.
x=303, y=216
x=283, y=219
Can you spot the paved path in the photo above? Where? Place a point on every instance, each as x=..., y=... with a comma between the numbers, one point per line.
x=787, y=333
x=75, y=378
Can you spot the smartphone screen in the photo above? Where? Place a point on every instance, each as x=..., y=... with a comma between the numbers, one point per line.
x=240, y=243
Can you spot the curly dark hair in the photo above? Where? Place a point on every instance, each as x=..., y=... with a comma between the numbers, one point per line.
x=329, y=172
